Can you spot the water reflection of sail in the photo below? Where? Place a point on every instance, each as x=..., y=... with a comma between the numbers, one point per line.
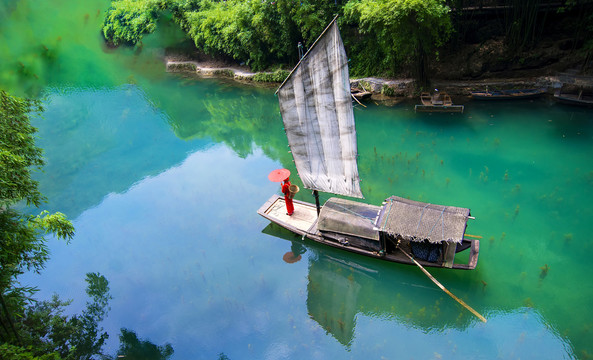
x=331, y=300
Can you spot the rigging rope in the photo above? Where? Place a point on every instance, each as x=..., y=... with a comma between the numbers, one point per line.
x=421, y=216
x=435, y=223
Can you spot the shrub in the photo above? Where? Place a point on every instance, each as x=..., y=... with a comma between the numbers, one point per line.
x=277, y=76
x=128, y=20
x=387, y=90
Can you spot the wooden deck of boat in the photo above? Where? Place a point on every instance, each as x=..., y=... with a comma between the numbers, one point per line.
x=302, y=221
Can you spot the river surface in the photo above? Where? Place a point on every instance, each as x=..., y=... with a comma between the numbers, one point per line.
x=162, y=175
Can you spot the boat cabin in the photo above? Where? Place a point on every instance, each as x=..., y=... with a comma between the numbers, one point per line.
x=433, y=233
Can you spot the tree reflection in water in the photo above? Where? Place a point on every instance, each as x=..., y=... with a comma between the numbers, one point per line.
x=131, y=347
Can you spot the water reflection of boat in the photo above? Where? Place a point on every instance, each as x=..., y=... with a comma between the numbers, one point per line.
x=316, y=108
x=341, y=288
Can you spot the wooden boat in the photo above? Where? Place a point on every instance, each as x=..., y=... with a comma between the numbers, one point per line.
x=437, y=102
x=357, y=227
x=582, y=98
x=394, y=231
x=507, y=94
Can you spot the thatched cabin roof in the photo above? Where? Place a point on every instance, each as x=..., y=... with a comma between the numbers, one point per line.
x=418, y=221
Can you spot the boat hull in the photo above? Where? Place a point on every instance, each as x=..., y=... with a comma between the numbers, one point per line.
x=574, y=100
x=304, y=222
x=508, y=94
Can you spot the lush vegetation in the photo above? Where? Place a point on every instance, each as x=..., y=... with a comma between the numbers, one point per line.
x=404, y=32
x=258, y=33
x=128, y=20
x=39, y=330
x=22, y=244
x=382, y=37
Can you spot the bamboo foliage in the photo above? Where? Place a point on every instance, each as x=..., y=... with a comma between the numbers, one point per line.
x=525, y=20
x=408, y=32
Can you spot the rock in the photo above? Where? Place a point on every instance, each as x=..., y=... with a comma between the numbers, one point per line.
x=181, y=66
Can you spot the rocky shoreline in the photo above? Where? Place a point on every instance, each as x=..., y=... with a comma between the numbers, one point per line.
x=395, y=89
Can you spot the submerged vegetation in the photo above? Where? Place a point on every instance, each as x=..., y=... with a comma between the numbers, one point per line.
x=383, y=38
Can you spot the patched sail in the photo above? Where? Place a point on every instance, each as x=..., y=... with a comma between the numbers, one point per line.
x=316, y=108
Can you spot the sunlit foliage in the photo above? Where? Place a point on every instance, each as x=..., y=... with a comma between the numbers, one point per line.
x=128, y=20
x=257, y=33
x=405, y=31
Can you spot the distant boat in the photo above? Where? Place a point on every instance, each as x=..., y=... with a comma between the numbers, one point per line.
x=507, y=94
x=316, y=107
x=437, y=102
x=581, y=98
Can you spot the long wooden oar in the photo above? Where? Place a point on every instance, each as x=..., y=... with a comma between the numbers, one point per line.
x=443, y=288
x=473, y=236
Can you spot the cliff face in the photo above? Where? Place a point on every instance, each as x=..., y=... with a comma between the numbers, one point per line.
x=491, y=59
x=494, y=40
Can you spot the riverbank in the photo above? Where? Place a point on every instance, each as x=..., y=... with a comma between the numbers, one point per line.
x=392, y=90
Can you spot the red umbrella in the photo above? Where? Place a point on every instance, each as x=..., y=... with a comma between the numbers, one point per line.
x=279, y=175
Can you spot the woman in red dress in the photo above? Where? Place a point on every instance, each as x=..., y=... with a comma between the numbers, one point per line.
x=287, y=199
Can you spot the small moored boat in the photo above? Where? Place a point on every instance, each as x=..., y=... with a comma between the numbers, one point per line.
x=507, y=94
x=437, y=102
x=581, y=98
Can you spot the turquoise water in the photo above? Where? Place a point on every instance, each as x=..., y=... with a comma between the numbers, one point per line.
x=162, y=176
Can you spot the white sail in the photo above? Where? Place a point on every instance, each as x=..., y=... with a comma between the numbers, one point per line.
x=316, y=108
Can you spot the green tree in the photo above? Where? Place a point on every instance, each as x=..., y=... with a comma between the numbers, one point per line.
x=22, y=242
x=18, y=153
x=258, y=33
x=12, y=352
x=406, y=31
x=127, y=21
